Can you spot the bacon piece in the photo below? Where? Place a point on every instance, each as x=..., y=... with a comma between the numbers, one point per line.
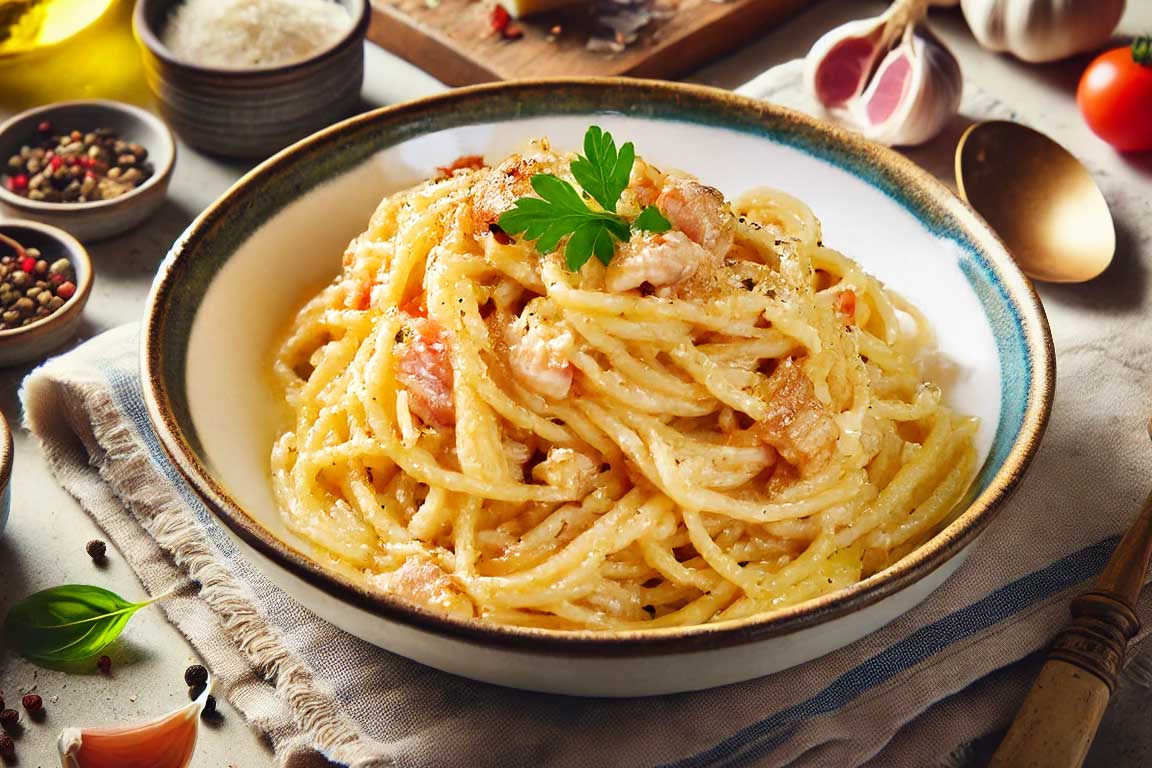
x=845, y=304
x=659, y=260
x=423, y=582
x=699, y=212
x=496, y=191
x=797, y=425
x=539, y=358
x=424, y=369
x=464, y=162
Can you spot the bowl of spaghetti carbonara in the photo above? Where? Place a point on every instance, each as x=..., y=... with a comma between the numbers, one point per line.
x=566, y=400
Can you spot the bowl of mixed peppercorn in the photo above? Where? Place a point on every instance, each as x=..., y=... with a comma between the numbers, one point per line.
x=93, y=168
x=45, y=279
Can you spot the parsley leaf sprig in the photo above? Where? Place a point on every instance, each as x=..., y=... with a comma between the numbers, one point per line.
x=560, y=211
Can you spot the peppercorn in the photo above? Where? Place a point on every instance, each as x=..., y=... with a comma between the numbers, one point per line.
x=76, y=166
x=96, y=549
x=209, y=707
x=195, y=675
x=7, y=747
x=9, y=718
x=104, y=664
x=32, y=702
x=195, y=691
x=31, y=287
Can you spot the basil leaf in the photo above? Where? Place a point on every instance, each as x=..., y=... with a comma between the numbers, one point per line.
x=69, y=623
x=651, y=220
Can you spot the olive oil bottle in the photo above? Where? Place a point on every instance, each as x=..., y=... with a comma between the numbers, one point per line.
x=28, y=25
x=52, y=50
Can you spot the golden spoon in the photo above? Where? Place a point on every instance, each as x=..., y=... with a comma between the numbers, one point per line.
x=1039, y=198
x=1058, y=719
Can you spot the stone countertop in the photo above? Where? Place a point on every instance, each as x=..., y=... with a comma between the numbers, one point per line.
x=44, y=543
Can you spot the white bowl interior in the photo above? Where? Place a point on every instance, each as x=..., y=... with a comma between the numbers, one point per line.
x=250, y=303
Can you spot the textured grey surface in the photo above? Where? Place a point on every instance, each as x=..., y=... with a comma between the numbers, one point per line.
x=44, y=544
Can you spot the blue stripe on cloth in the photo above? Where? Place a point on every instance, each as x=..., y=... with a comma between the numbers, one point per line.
x=761, y=738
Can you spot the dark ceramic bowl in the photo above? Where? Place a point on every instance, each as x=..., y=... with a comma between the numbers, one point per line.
x=251, y=113
x=35, y=340
x=100, y=218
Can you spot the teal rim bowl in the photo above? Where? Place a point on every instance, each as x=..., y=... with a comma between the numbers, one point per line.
x=1012, y=308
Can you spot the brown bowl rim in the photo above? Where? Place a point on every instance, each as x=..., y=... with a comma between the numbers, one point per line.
x=945, y=545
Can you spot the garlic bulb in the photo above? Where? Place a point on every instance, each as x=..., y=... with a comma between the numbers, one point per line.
x=914, y=93
x=887, y=77
x=1042, y=30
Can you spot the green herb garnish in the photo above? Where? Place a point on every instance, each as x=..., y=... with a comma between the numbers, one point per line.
x=560, y=211
x=651, y=220
x=70, y=623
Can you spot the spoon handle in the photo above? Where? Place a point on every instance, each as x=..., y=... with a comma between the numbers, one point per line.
x=1058, y=719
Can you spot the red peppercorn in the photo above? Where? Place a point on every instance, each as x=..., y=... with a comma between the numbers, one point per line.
x=56, y=162
x=19, y=182
x=104, y=664
x=56, y=279
x=44, y=126
x=66, y=290
x=9, y=718
x=28, y=264
x=70, y=160
x=32, y=702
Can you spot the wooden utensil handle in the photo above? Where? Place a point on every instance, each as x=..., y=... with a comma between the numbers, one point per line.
x=1059, y=717
x=1058, y=720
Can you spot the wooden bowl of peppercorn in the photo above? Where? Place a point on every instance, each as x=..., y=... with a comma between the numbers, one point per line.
x=45, y=280
x=93, y=168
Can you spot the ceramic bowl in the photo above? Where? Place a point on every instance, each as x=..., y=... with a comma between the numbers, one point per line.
x=6, y=454
x=251, y=113
x=35, y=340
x=101, y=218
x=278, y=235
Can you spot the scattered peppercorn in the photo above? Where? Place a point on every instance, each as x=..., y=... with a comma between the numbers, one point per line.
x=104, y=664
x=96, y=549
x=7, y=747
x=31, y=288
x=195, y=691
x=196, y=675
x=32, y=702
x=209, y=707
x=9, y=718
x=75, y=167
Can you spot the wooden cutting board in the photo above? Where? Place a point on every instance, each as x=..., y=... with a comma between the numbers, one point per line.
x=453, y=40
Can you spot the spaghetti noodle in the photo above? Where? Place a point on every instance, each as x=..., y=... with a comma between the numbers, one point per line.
x=728, y=418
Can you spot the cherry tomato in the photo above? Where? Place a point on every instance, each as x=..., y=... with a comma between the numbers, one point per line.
x=1115, y=96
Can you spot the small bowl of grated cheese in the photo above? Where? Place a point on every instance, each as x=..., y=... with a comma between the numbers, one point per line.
x=245, y=78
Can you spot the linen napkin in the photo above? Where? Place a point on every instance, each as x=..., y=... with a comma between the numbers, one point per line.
x=912, y=694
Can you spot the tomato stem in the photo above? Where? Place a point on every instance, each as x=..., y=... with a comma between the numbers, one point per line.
x=1142, y=50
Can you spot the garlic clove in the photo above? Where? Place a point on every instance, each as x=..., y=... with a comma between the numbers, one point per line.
x=837, y=68
x=166, y=742
x=915, y=91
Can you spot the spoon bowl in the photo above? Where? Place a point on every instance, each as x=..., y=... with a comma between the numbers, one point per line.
x=1039, y=198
